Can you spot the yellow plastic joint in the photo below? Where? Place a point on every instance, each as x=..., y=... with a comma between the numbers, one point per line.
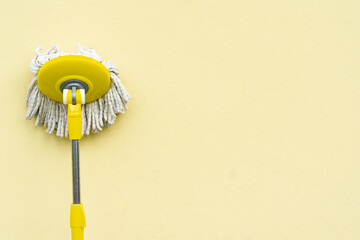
x=77, y=221
x=74, y=116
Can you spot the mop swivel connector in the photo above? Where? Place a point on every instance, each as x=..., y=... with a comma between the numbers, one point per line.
x=74, y=98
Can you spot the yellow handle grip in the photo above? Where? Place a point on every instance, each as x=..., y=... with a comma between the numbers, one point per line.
x=77, y=233
x=77, y=221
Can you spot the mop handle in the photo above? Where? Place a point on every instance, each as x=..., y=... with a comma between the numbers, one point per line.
x=74, y=118
x=77, y=215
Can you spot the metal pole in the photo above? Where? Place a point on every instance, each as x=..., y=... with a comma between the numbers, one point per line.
x=75, y=168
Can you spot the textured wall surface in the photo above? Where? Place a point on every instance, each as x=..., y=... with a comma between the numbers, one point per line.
x=244, y=122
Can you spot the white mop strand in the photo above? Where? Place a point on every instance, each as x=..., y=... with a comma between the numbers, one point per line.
x=96, y=115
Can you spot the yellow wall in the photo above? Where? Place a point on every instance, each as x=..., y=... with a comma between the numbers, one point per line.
x=244, y=122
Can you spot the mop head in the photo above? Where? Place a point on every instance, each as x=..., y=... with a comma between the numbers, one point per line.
x=95, y=115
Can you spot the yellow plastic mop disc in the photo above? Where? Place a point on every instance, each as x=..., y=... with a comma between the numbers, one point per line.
x=73, y=67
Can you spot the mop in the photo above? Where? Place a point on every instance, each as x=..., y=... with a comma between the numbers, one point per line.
x=74, y=94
